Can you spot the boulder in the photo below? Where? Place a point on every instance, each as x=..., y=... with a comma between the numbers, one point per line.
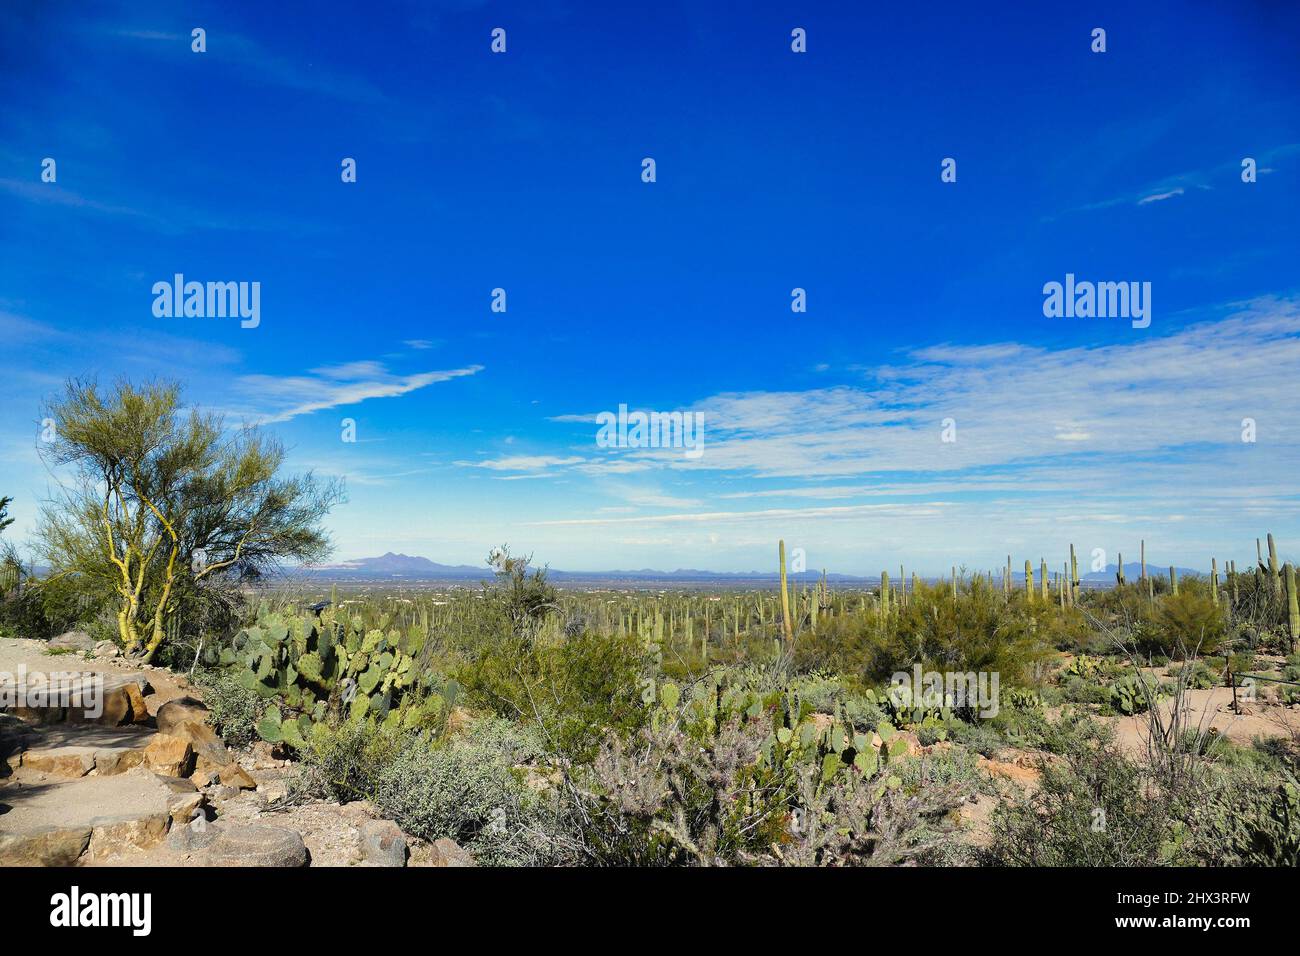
x=248, y=845
x=45, y=846
x=209, y=749
x=169, y=756
x=106, y=649
x=116, y=834
x=233, y=775
x=78, y=641
x=111, y=762
x=184, y=807
x=447, y=852
x=180, y=710
x=195, y=835
x=383, y=843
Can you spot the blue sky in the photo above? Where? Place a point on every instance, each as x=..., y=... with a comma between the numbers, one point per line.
x=775, y=170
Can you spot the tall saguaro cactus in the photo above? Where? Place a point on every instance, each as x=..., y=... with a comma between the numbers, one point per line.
x=1292, y=606
x=1272, y=565
x=1214, y=579
x=1029, y=580
x=1074, y=577
x=785, y=598
x=1042, y=578
x=884, y=595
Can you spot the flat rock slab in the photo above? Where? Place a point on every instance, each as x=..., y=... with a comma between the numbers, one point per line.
x=240, y=844
x=27, y=806
x=74, y=750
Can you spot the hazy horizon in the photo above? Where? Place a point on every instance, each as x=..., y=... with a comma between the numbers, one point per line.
x=775, y=171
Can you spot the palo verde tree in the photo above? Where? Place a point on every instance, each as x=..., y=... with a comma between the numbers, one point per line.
x=160, y=501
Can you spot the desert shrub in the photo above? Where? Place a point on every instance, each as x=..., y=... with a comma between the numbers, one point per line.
x=465, y=787
x=980, y=736
x=232, y=708
x=1187, y=622
x=575, y=691
x=1092, y=810
x=1245, y=818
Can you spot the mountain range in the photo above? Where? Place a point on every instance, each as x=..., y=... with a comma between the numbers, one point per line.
x=407, y=567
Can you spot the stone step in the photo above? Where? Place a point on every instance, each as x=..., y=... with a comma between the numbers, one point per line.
x=73, y=750
x=92, y=818
x=64, y=695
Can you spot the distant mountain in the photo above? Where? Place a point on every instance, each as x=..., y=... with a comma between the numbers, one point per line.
x=407, y=567
x=397, y=565
x=414, y=568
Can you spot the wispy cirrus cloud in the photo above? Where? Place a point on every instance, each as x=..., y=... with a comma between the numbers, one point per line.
x=332, y=387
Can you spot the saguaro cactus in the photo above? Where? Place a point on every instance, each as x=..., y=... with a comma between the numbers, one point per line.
x=1119, y=568
x=1214, y=580
x=1074, y=576
x=884, y=595
x=1029, y=580
x=1292, y=606
x=1272, y=565
x=1042, y=577
x=785, y=598
x=1173, y=580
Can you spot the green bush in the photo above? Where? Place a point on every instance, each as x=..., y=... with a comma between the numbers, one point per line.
x=575, y=691
x=232, y=708
x=464, y=788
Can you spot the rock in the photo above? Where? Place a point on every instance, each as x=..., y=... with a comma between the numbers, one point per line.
x=169, y=756
x=111, y=762
x=273, y=790
x=106, y=649
x=266, y=755
x=1018, y=772
x=46, y=846
x=209, y=749
x=383, y=843
x=123, y=703
x=179, y=711
x=178, y=785
x=247, y=845
x=183, y=808
x=69, y=762
x=205, y=777
x=195, y=835
x=447, y=852
x=78, y=641
x=222, y=794
x=233, y=775
x=111, y=835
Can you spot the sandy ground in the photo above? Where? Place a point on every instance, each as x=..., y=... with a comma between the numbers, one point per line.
x=1212, y=708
